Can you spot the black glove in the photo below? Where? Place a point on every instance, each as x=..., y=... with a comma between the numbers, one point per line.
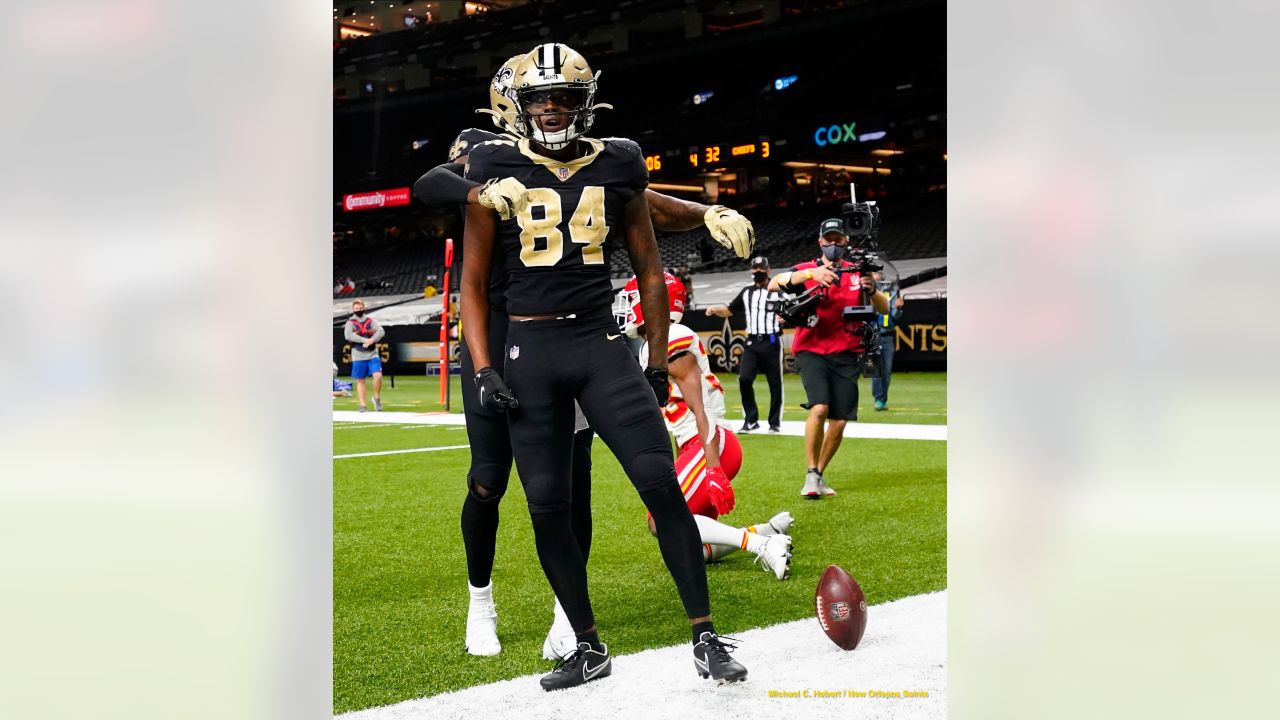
x=658, y=381
x=494, y=393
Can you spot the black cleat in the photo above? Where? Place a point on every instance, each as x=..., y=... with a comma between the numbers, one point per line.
x=712, y=659
x=582, y=666
x=749, y=427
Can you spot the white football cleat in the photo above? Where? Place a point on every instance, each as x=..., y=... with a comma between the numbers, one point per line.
x=561, y=641
x=781, y=523
x=776, y=555
x=825, y=489
x=482, y=623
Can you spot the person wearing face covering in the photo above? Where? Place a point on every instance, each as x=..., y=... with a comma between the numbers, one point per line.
x=363, y=332
x=827, y=354
x=763, y=349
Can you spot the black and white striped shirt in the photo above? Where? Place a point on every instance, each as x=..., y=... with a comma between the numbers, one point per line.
x=756, y=303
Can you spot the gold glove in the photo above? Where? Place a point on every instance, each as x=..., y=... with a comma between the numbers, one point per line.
x=507, y=197
x=730, y=229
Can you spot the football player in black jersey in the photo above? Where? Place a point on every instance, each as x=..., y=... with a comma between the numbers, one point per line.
x=584, y=196
x=487, y=432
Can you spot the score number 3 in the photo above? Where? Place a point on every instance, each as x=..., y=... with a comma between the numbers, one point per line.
x=586, y=227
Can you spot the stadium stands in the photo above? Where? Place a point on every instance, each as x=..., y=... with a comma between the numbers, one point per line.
x=912, y=227
x=390, y=270
x=915, y=227
x=406, y=93
x=493, y=31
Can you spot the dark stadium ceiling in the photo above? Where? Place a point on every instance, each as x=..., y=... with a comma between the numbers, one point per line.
x=400, y=98
x=392, y=15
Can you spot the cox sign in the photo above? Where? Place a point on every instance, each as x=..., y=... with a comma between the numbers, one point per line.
x=843, y=133
x=835, y=134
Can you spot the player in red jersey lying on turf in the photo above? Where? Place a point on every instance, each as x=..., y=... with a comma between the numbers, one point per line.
x=710, y=455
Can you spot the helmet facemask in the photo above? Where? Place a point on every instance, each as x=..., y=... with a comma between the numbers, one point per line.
x=559, y=69
x=627, y=312
x=581, y=116
x=626, y=304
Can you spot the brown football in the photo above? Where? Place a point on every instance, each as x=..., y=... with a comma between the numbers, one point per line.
x=841, y=606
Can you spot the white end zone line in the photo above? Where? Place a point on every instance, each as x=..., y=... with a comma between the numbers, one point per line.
x=401, y=452
x=791, y=428
x=904, y=649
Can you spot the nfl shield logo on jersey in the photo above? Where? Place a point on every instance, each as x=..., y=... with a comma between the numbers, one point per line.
x=562, y=172
x=515, y=352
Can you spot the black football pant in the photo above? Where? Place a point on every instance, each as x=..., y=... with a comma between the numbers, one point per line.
x=762, y=353
x=490, y=470
x=549, y=364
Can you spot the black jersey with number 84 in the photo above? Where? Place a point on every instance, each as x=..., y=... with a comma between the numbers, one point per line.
x=556, y=252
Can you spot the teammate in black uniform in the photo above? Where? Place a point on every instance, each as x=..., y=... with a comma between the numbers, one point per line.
x=584, y=196
x=487, y=429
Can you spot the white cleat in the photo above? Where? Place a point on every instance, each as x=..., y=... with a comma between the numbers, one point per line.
x=776, y=555
x=781, y=523
x=825, y=489
x=482, y=623
x=561, y=640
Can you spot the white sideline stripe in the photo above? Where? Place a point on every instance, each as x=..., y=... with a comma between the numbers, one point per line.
x=791, y=428
x=400, y=452
x=904, y=648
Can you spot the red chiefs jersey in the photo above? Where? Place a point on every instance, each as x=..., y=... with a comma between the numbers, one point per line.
x=829, y=336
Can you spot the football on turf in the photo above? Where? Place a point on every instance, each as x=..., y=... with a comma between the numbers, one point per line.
x=842, y=607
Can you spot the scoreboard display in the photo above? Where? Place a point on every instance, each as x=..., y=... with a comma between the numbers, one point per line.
x=706, y=157
x=710, y=155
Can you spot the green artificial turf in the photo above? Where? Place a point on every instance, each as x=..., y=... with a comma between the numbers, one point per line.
x=918, y=398
x=400, y=573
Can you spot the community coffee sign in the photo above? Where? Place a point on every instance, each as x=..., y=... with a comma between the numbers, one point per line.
x=375, y=199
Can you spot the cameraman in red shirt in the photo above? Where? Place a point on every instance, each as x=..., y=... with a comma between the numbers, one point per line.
x=827, y=354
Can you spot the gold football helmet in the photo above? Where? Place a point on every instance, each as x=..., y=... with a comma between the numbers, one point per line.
x=502, y=95
x=555, y=67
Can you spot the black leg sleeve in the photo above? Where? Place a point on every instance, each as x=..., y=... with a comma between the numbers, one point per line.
x=542, y=439
x=490, y=470
x=564, y=565
x=479, y=537
x=621, y=409
x=582, y=491
x=681, y=547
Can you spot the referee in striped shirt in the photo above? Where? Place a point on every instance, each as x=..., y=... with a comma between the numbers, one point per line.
x=763, y=351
